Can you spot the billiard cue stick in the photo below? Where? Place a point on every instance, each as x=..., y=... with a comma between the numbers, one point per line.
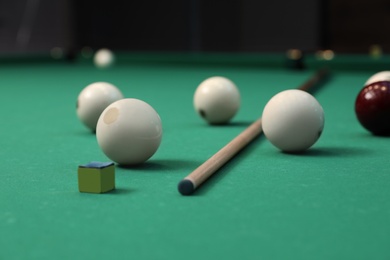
x=190, y=183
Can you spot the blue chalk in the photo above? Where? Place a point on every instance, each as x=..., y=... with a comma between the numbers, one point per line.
x=97, y=165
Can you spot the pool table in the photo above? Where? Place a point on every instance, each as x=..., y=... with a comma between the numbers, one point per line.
x=331, y=202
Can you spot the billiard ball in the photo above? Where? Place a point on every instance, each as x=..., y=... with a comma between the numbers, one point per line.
x=380, y=76
x=372, y=107
x=93, y=99
x=129, y=131
x=375, y=51
x=104, y=58
x=87, y=52
x=295, y=59
x=57, y=53
x=293, y=120
x=217, y=100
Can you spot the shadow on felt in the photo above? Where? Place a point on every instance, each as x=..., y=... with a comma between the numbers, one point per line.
x=120, y=191
x=331, y=152
x=233, y=124
x=161, y=165
x=238, y=124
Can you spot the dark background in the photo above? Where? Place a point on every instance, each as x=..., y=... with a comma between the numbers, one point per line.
x=194, y=25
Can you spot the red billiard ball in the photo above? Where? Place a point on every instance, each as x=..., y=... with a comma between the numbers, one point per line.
x=372, y=107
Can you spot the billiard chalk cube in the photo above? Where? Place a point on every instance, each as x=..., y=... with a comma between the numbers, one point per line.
x=96, y=177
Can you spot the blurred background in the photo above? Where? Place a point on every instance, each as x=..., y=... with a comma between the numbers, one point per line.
x=36, y=26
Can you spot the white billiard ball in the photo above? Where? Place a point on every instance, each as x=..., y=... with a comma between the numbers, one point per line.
x=93, y=99
x=104, y=58
x=57, y=53
x=217, y=100
x=293, y=120
x=129, y=131
x=380, y=76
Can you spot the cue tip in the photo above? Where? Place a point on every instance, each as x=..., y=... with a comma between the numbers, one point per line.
x=186, y=187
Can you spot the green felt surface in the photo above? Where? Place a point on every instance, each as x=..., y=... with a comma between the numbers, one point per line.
x=332, y=202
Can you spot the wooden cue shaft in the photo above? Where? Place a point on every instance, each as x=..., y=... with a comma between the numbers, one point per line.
x=189, y=184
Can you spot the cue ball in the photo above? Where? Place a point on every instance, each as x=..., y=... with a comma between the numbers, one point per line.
x=129, y=131
x=93, y=99
x=104, y=58
x=217, y=100
x=372, y=107
x=380, y=76
x=293, y=120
